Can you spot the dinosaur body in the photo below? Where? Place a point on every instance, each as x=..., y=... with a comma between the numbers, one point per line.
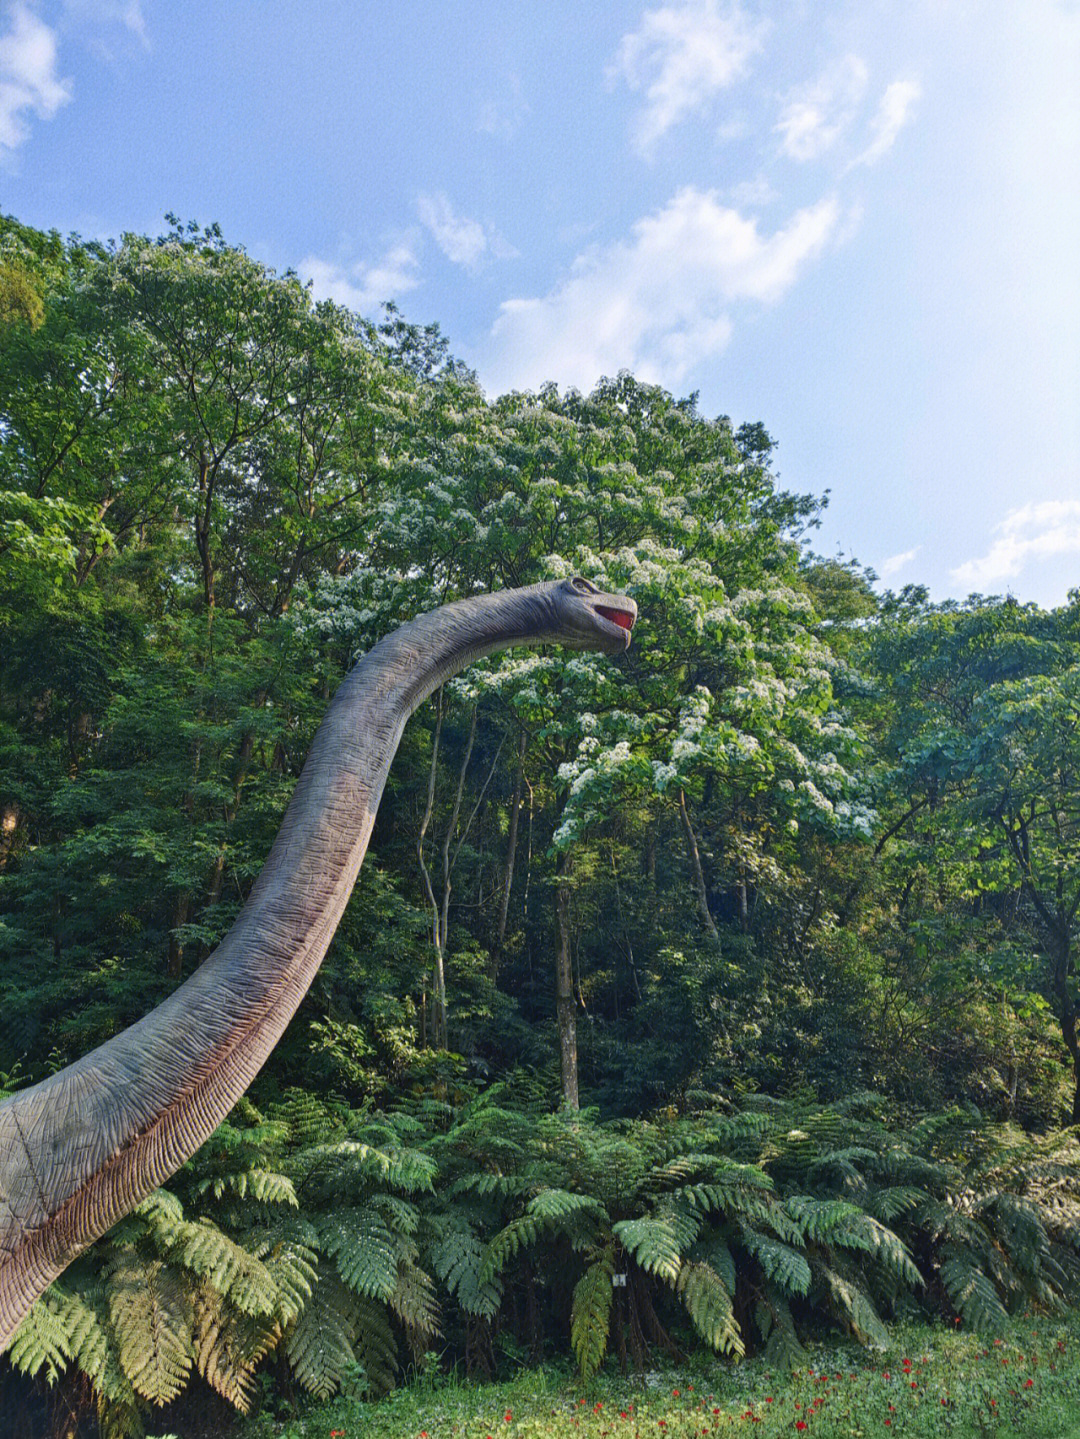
x=80, y=1149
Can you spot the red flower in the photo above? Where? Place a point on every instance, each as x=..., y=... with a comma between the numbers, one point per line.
x=768, y=1401
x=800, y=1424
x=675, y=1394
x=1028, y=1383
x=623, y=1414
x=716, y=1411
x=508, y=1417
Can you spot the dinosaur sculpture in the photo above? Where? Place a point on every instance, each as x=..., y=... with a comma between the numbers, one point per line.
x=83, y=1147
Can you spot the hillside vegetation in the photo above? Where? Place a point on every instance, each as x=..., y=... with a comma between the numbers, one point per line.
x=711, y=998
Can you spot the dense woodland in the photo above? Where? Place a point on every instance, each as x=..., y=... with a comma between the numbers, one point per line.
x=796, y=878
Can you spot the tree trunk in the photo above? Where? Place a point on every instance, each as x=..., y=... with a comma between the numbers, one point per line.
x=436, y=931
x=564, y=988
x=206, y=479
x=699, y=873
x=511, y=854
x=448, y=869
x=1067, y=1013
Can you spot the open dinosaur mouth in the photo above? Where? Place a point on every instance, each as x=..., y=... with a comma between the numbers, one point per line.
x=623, y=618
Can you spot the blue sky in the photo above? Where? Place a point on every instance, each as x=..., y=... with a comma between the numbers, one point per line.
x=855, y=220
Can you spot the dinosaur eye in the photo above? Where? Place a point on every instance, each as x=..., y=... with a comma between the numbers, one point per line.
x=583, y=587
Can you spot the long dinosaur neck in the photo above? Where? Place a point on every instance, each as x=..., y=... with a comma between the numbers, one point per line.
x=80, y=1149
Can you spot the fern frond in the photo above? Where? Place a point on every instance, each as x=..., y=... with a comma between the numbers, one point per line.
x=262, y=1185
x=319, y=1343
x=42, y=1341
x=713, y=1250
x=364, y=1250
x=501, y=1248
x=854, y=1306
x=507, y=1186
x=772, y=1315
x=374, y=1346
x=456, y=1259
x=888, y=1204
x=228, y=1346
x=820, y=1219
x=972, y=1294
x=152, y=1321
x=654, y=1245
x=785, y=1266
x=590, y=1314
x=709, y=1306
x=553, y=1206
x=414, y=1303
x=235, y=1273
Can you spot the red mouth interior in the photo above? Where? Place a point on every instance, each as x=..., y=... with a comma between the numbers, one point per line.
x=623, y=618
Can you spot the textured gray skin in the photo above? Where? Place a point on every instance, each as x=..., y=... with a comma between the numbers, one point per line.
x=83, y=1147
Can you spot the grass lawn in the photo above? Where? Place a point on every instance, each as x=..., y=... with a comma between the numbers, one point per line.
x=932, y=1382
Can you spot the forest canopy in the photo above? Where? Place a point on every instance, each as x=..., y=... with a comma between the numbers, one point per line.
x=805, y=861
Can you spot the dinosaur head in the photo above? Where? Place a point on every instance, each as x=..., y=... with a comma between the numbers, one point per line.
x=588, y=619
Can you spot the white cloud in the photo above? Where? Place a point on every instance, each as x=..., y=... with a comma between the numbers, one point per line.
x=752, y=194
x=1036, y=531
x=681, y=55
x=816, y=115
x=895, y=563
x=892, y=115
x=464, y=241
x=362, y=287
x=657, y=302
x=29, y=83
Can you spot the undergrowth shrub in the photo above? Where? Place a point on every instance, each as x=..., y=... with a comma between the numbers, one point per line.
x=342, y=1243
